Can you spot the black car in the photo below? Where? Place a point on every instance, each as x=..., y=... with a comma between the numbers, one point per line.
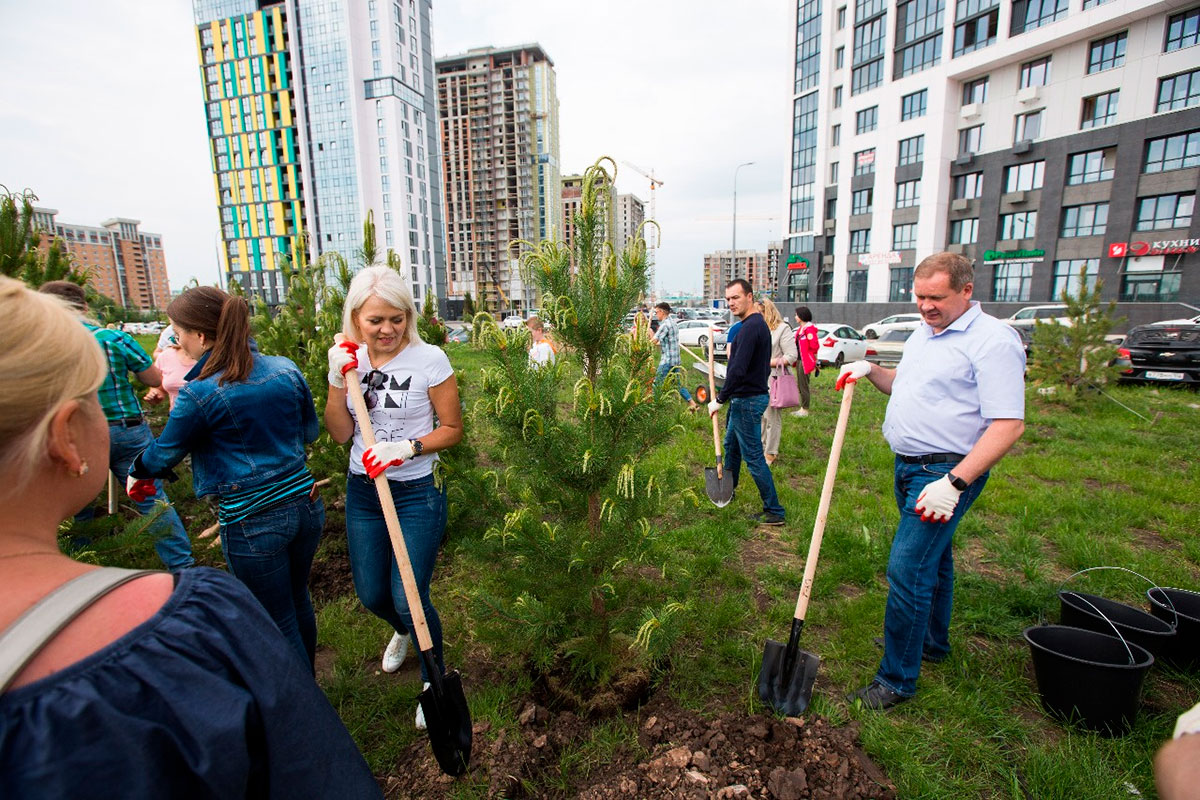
x=1167, y=354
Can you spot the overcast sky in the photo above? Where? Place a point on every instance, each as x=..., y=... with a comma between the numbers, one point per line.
x=101, y=111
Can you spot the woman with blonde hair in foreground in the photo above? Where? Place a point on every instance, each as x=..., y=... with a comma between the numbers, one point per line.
x=783, y=354
x=162, y=686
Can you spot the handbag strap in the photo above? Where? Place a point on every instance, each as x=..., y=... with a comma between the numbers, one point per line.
x=40, y=623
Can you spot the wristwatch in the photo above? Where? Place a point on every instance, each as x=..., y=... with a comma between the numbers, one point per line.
x=418, y=448
x=955, y=481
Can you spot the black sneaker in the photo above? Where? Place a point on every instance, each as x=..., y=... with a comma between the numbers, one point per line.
x=876, y=697
x=767, y=518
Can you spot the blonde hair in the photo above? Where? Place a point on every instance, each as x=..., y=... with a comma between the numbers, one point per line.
x=770, y=314
x=47, y=357
x=386, y=284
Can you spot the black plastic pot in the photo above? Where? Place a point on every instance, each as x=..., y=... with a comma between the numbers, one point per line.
x=1089, y=611
x=1087, y=677
x=1184, y=649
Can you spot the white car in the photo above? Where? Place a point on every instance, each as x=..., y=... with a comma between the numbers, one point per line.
x=840, y=344
x=895, y=321
x=887, y=349
x=1187, y=321
x=695, y=332
x=513, y=321
x=1030, y=315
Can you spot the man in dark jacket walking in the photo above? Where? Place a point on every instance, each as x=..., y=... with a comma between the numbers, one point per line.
x=745, y=390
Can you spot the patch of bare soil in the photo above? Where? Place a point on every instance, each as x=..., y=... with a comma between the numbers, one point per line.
x=330, y=577
x=679, y=755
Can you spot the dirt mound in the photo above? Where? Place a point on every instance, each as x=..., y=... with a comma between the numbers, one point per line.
x=678, y=754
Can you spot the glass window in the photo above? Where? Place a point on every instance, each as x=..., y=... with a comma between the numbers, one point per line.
x=1067, y=274
x=841, y=18
x=908, y=193
x=862, y=201
x=1024, y=177
x=1100, y=109
x=970, y=140
x=1011, y=282
x=916, y=19
x=964, y=231
x=833, y=173
x=1028, y=126
x=1150, y=285
x=864, y=162
x=866, y=77
x=900, y=284
x=1091, y=167
x=1018, y=225
x=977, y=32
x=904, y=237
x=912, y=150
x=1179, y=91
x=860, y=240
x=1165, y=212
x=1183, y=30
x=837, y=97
x=1035, y=73
x=917, y=57
x=866, y=120
x=835, y=136
x=913, y=105
x=1030, y=14
x=969, y=186
x=839, y=58
x=1173, y=152
x=825, y=287
x=1106, y=53
x=1093, y=3
x=975, y=91
x=1085, y=220
x=856, y=288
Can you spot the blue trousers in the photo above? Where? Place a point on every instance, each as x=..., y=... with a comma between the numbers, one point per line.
x=666, y=369
x=743, y=441
x=272, y=553
x=421, y=509
x=171, y=540
x=920, y=578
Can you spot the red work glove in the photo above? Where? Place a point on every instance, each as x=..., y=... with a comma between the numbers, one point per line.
x=378, y=458
x=140, y=489
x=851, y=373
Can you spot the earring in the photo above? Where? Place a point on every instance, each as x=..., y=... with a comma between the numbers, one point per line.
x=83, y=470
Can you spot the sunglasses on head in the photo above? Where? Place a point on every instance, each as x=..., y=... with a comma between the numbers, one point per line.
x=374, y=381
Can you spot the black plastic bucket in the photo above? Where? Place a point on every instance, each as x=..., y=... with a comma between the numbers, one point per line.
x=1099, y=614
x=1184, y=649
x=1087, y=677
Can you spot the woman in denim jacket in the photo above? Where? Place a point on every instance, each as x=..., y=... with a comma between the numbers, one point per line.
x=246, y=418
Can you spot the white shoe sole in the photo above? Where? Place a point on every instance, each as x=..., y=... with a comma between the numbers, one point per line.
x=396, y=652
x=420, y=720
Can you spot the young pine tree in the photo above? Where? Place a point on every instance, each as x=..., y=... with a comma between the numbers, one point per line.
x=1076, y=357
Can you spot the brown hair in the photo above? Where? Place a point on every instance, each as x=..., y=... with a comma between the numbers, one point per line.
x=535, y=324
x=73, y=293
x=225, y=321
x=956, y=266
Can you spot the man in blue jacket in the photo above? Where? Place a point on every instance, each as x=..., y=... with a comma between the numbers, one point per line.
x=745, y=390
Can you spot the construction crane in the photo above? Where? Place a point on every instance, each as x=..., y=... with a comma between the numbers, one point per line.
x=651, y=230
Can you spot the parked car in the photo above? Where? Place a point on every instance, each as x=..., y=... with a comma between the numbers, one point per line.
x=1161, y=354
x=840, y=343
x=512, y=321
x=1187, y=321
x=695, y=332
x=459, y=334
x=1028, y=316
x=895, y=321
x=887, y=349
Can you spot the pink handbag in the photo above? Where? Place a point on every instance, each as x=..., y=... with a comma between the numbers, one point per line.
x=784, y=391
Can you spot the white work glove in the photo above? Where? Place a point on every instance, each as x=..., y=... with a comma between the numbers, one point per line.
x=1188, y=722
x=937, y=502
x=378, y=458
x=140, y=489
x=851, y=373
x=714, y=406
x=343, y=357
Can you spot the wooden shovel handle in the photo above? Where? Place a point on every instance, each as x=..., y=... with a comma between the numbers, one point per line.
x=411, y=594
x=712, y=395
x=814, y=547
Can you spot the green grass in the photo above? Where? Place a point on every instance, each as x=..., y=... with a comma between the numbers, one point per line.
x=1083, y=488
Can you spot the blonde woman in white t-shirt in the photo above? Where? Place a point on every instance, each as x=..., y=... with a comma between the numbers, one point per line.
x=406, y=384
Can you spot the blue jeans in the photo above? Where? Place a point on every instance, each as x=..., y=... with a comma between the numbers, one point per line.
x=272, y=553
x=921, y=579
x=666, y=369
x=743, y=440
x=171, y=540
x=421, y=509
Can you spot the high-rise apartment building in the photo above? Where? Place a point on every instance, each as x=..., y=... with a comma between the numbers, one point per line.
x=320, y=111
x=761, y=269
x=123, y=263
x=572, y=204
x=630, y=214
x=1038, y=137
x=498, y=109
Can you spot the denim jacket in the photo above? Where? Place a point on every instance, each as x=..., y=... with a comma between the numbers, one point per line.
x=242, y=435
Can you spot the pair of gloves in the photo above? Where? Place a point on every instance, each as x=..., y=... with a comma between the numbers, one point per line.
x=378, y=458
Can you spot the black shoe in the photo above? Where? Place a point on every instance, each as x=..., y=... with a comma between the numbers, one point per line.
x=767, y=518
x=926, y=657
x=876, y=697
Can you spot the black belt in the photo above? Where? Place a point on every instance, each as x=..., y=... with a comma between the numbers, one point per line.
x=128, y=422
x=932, y=458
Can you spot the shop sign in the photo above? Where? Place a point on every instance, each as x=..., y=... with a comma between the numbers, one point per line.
x=871, y=259
x=797, y=262
x=1159, y=248
x=1001, y=256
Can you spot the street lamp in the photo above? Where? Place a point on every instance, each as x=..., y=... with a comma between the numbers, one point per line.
x=733, y=253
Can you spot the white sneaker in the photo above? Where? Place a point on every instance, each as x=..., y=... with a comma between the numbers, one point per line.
x=396, y=650
x=420, y=720
x=801, y=413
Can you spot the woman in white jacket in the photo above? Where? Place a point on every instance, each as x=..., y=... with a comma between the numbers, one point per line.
x=783, y=354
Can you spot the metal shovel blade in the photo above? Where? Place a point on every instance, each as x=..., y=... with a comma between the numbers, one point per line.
x=448, y=721
x=788, y=691
x=719, y=489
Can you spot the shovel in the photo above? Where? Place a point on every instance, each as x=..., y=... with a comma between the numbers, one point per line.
x=717, y=483
x=786, y=680
x=447, y=717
